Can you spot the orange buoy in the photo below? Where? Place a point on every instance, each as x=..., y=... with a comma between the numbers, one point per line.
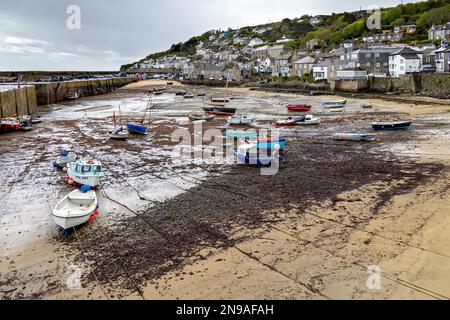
x=71, y=182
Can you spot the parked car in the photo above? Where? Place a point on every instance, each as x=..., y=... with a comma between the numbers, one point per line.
x=428, y=69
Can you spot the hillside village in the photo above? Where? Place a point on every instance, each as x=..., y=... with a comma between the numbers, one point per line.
x=316, y=48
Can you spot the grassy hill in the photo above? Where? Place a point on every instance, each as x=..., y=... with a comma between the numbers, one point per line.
x=334, y=29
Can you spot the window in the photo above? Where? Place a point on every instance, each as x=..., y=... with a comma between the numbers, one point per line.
x=368, y=64
x=377, y=55
x=86, y=169
x=378, y=64
x=97, y=169
x=367, y=55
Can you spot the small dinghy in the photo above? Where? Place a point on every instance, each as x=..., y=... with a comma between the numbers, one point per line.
x=85, y=172
x=180, y=93
x=75, y=209
x=65, y=158
x=299, y=107
x=119, y=134
x=249, y=154
x=72, y=95
x=189, y=95
x=355, y=136
x=240, y=134
x=194, y=117
x=267, y=143
x=286, y=123
x=334, y=104
x=240, y=120
x=397, y=125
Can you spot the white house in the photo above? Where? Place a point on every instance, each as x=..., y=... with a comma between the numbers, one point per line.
x=255, y=42
x=439, y=31
x=327, y=70
x=442, y=59
x=403, y=61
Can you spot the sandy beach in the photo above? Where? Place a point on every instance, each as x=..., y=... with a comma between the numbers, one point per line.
x=172, y=227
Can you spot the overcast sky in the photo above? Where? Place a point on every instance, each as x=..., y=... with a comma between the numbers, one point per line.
x=34, y=36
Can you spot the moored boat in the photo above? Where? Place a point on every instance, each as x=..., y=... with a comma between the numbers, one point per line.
x=13, y=124
x=75, y=209
x=201, y=117
x=65, y=158
x=240, y=134
x=307, y=120
x=119, y=134
x=396, y=125
x=268, y=143
x=180, y=93
x=220, y=111
x=299, y=107
x=85, y=172
x=249, y=154
x=189, y=95
x=135, y=128
x=286, y=123
x=355, y=136
x=72, y=95
x=240, y=120
x=334, y=104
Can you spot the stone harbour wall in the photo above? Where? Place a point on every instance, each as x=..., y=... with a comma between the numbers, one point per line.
x=17, y=101
x=54, y=92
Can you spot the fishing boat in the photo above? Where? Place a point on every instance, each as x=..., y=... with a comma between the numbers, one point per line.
x=250, y=155
x=12, y=124
x=299, y=107
x=334, y=104
x=159, y=92
x=240, y=120
x=85, y=172
x=75, y=209
x=189, y=95
x=201, y=117
x=64, y=158
x=355, y=136
x=397, y=125
x=180, y=93
x=240, y=134
x=220, y=111
x=72, y=95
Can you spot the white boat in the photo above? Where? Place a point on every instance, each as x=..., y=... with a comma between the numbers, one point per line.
x=64, y=159
x=75, y=209
x=119, y=134
x=242, y=119
x=355, y=136
x=85, y=172
x=307, y=120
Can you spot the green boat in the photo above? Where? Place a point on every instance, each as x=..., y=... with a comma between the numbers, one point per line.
x=240, y=134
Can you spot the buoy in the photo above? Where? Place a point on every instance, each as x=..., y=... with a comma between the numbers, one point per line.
x=67, y=177
x=96, y=212
x=92, y=218
x=71, y=182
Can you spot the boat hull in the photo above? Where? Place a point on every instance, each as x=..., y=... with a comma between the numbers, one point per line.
x=75, y=209
x=136, y=129
x=259, y=160
x=355, y=137
x=93, y=181
x=241, y=135
x=392, y=126
x=299, y=108
x=270, y=145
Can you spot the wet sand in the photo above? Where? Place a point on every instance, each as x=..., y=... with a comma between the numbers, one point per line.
x=174, y=228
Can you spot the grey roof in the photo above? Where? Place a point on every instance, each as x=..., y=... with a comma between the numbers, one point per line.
x=406, y=51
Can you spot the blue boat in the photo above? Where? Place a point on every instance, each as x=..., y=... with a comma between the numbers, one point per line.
x=136, y=128
x=335, y=104
x=270, y=144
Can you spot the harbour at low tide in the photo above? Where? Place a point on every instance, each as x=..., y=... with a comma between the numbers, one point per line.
x=170, y=225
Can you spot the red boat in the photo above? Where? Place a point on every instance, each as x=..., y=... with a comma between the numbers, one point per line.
x=299, y=107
